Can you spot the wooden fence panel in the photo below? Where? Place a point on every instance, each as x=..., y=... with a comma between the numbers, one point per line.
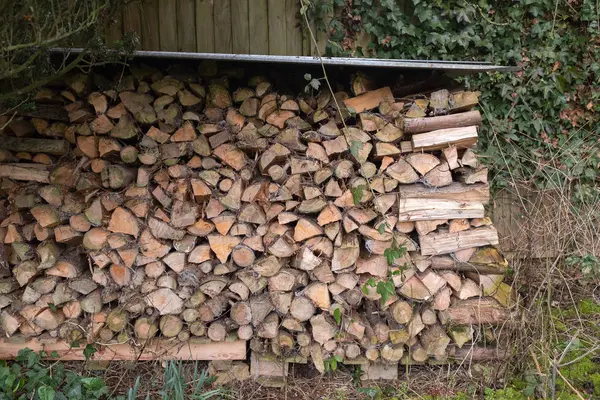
x=277, y=28
x=217, y=26
x=167, y=13
x=186, y=25
x=258, y=26
x=222, y=18
x=240, y=32
x=205, y=26
x=293, y=28
x=150, y=34
x=132, y=19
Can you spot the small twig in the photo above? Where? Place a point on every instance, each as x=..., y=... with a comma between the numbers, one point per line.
x=569, y=384
x=536, y=362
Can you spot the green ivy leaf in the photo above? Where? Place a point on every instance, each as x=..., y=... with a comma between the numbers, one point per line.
x=355, y=148
x=89, y=351
x=357, y=194
x=337, y=315
x=45, y=393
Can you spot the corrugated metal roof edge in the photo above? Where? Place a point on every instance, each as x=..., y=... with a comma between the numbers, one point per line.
x=456, y=66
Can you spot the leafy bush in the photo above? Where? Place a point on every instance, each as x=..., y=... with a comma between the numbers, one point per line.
x=28, y=378
x=541, y=122
x=31, y=378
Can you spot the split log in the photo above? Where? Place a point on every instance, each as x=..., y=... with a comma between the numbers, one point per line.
x=464, y=137
x=422, y=209
x=420, y=125
x=444, y=243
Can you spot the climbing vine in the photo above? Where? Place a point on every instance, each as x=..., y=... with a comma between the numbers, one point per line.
x=541, y=123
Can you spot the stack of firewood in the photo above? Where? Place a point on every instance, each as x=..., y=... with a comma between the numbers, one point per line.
x=347, y=225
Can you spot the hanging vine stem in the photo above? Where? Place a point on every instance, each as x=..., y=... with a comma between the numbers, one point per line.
x=304, y=5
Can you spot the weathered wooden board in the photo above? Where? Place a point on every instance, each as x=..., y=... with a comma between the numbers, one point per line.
x=167, y=11
x=205, y=26
x=222, y=17
x=240, y=31
x=277, y=27
x=155, y=350
x=132, y=19
x=186, y=25
x=150, y=35
x=258, y=17
x=293, y=28
x=477, y=192
x=464, y=137
x=445, y=243
x=432, y=209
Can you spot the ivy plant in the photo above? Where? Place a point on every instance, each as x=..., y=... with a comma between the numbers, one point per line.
x=541, y=122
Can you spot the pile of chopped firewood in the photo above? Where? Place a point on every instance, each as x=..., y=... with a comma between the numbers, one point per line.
x=348, y=225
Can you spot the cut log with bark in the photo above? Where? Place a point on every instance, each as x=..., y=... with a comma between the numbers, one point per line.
x=464, y=137
x=421, y=125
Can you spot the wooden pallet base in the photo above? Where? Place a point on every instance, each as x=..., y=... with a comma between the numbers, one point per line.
x=272, y=370
x=153, y=350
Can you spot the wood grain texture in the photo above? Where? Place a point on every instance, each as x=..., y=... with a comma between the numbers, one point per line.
x=155, y=350
x=258, y=26
x=167, y=12
x=186, y=25
x=445, y=243
x=321, y=35
x=432, y=209
x=477, y=192
x=293, y=28
x=132, y=19
x=277, y=27
x=463, y=137
x=222, y=17
x=369, y=100
x=475, y=311
x=205, y=26
x=240, y=31
x=114, y=31
x=150, y=35
x=420, y=125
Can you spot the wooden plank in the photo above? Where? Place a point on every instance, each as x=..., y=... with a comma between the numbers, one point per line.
x=114, y=31
x=427, y=124
x=56, y=147
x=150, y=26
x=432, y=209
x=473, y=353
x=277, y=27
x=258, y=17
x=20, y=173
x=158, y=349
x=293, y=29
x=455, y=191
x=306, y=39
x=167, y=12
x=205, y=26
x=132, y=19
x=321, y=34
x=446, y=243
x=240, y=30
x=463, y=137
x=222, y=16
x=475, y=311
x=369, y=100
x=186, y=25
